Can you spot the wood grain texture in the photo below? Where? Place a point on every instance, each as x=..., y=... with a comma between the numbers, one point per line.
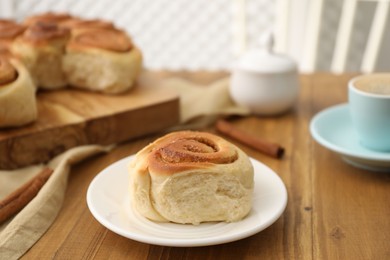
x=71, y=117
x=335, y=211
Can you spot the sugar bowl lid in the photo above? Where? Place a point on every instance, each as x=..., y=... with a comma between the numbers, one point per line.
x=262, y=59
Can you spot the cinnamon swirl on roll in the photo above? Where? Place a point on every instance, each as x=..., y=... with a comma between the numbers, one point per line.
x=17, y=93
x=41, y=48
x=101, y=59
x=191, y=177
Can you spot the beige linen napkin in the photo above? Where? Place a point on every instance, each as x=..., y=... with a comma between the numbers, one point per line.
x=199, y=106
x=19, y=234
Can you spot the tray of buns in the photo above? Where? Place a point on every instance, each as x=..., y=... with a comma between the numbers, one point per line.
x=67, y=81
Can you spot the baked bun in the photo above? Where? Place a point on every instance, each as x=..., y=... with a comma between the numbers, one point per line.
x=17, y=93
x=102, y=60
x=191, y=177
x=41, y=47
x=9, y=30
x=52, y=51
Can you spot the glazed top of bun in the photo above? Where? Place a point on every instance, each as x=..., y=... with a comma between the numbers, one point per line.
x=47, y=18
x=9, y=30
x=78, y=23
x=7, y=72
x=45, y=32
x=185, y=150
x=108, y=39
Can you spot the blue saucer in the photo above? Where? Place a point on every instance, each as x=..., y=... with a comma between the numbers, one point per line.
x=332, y=128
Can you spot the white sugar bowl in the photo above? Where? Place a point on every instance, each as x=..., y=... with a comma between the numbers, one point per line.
x=263, y=81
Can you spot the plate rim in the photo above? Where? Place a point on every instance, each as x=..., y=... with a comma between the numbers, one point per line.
x=380, y=157
x=193, y=242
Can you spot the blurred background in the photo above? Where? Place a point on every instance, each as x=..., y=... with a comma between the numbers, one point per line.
x=321, y=35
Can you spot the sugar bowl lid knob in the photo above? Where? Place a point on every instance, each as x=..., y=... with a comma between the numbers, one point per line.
x=266, y=41
x=263, y=59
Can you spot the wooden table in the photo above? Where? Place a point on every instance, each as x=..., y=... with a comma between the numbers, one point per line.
x=334, y=211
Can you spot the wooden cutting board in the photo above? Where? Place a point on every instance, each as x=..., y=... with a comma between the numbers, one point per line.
x=71, y=117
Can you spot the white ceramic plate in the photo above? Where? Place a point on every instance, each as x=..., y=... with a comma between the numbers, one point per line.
x=332, y=128
x=108, y=200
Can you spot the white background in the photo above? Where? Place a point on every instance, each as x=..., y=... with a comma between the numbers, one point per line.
x=202, y=34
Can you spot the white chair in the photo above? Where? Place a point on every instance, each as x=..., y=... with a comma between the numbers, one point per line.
x=304, y=37
x=371, y=52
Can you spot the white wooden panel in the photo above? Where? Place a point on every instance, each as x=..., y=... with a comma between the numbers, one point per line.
x=297, y=21
x=282, y=16
x=377, y=31
x=344, y=36
x=312, y=36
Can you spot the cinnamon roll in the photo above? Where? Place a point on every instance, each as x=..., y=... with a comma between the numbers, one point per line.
x=191, y=177
x=17, y=93
x=9, y=30
x=41, y=47
x=102, y=60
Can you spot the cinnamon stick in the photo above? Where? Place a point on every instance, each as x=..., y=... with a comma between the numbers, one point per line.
x=16, y=201
x=268, y=148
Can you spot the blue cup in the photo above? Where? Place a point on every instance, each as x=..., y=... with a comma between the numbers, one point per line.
x=369, y=104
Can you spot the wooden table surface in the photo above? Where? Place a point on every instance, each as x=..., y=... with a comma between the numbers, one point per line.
x=334, y=211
